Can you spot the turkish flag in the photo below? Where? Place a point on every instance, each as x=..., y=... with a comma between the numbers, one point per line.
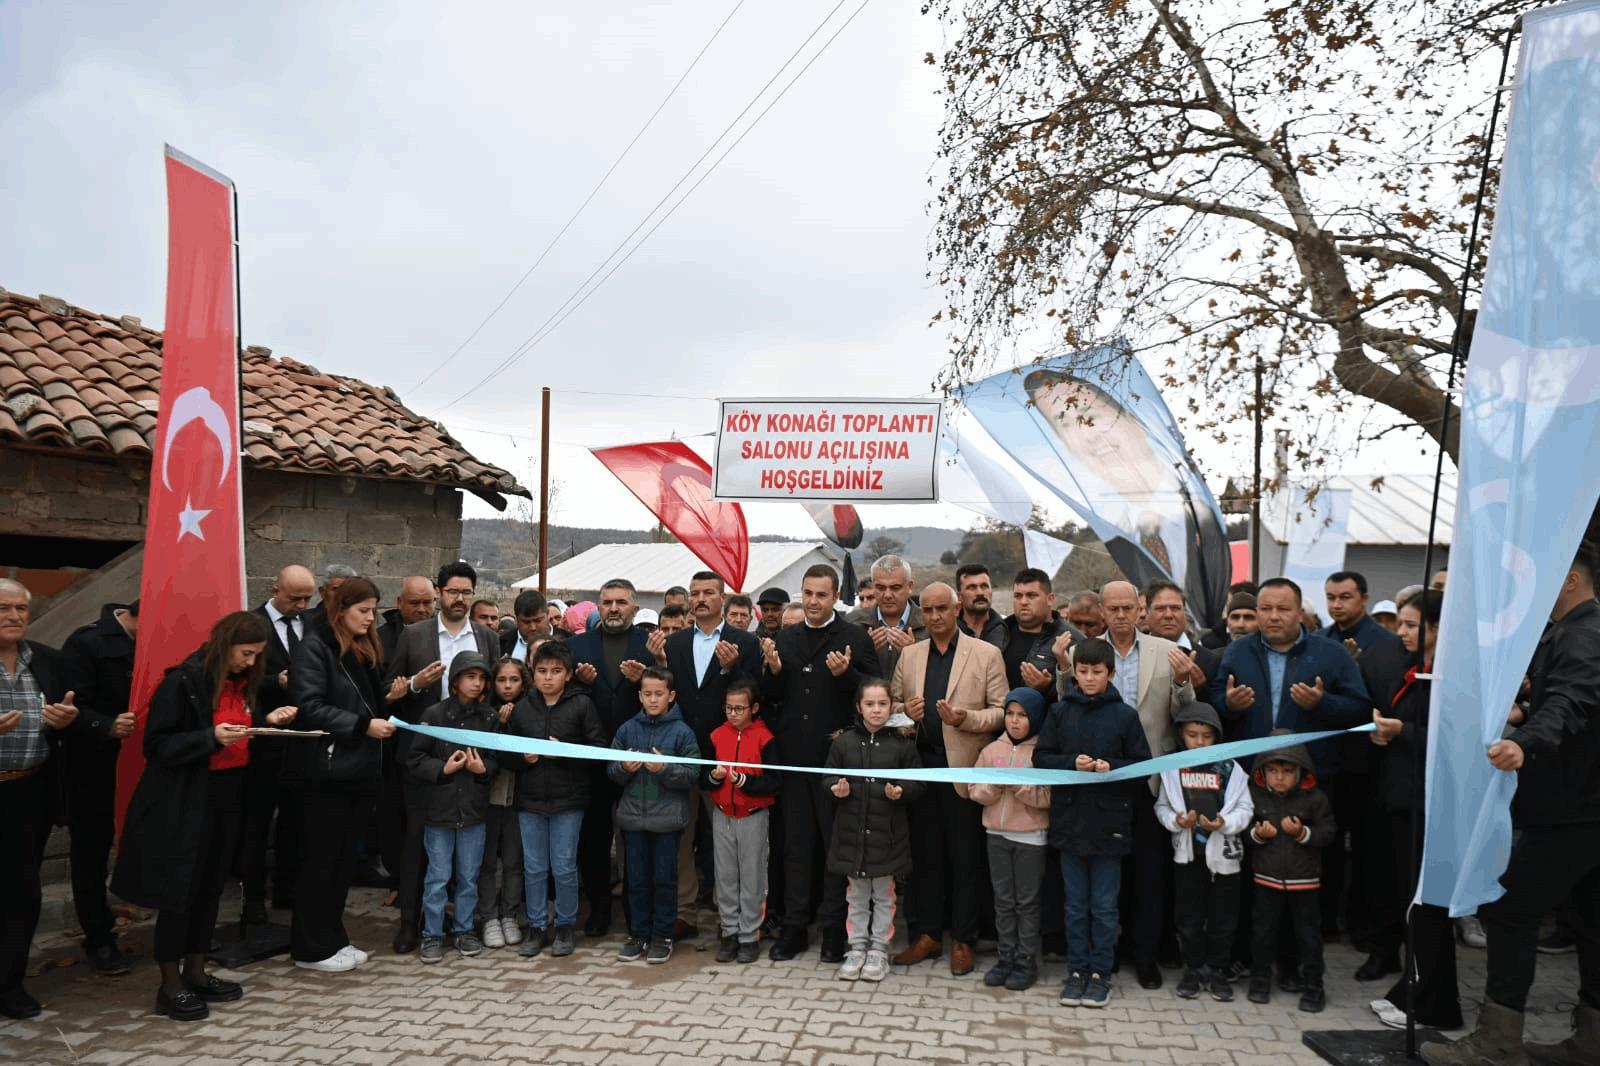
x=675, y=484
x=194, y=532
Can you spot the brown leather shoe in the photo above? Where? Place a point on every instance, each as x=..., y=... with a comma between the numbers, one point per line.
x=924, y=947
x=960, y=959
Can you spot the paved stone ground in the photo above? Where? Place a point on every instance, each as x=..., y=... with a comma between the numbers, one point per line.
x=690, y=1012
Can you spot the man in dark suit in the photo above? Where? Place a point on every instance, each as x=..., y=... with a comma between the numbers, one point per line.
x=1169, y=619
x=610, y=659
x=97, y=661
x=33, y=712
x=266, y=780
x=333, y=575
x=422, y=656
x=703, y=659
x=416, y=603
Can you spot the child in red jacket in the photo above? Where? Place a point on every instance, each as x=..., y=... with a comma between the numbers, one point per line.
x=742, y=798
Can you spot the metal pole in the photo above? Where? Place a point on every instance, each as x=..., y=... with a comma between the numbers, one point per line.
x=1417, y=827
x=544, y=488
x=1255, y=491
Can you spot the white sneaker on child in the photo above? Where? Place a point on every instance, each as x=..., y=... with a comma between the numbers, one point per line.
x=850, y=968
x=511, y=931
x=877, y=966
x=493, y=936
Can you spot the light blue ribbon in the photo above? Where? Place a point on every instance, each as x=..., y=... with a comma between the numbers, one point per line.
x=992, y=775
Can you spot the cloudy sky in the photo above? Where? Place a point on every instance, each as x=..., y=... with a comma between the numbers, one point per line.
x=399, y=168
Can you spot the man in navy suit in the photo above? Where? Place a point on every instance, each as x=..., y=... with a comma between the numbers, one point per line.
x=704, y=659
x=609, y=659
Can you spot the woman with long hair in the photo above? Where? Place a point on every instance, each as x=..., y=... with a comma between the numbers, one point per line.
x=1402, y=728
x=184, y=817
x=336, y=681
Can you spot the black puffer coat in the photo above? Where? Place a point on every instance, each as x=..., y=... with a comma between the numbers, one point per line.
x=1282, y=862
x=871, y=837
x=1092, y=820
x=553, y=785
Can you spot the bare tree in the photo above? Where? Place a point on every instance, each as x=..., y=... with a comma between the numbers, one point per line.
x=1228, y=183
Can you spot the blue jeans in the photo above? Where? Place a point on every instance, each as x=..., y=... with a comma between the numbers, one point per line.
x=1092, y=883
x=550, y=845
x=651, y=862
x=451, y=850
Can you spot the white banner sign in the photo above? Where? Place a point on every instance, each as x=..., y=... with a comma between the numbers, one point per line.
x=864, y=451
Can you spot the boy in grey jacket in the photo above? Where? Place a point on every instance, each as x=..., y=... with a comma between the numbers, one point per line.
x=652, y=814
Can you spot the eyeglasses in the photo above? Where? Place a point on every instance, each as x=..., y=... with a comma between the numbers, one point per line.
x=456, y=593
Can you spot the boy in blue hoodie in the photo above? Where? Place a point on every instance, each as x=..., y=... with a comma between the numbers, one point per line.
x=1092, y=730
x=652, y=814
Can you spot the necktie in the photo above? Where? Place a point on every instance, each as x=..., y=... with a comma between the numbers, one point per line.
x=294, y=639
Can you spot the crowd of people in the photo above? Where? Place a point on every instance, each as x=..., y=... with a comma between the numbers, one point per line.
x=1225, y=871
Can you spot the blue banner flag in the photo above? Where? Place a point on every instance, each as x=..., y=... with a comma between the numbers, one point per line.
x=1530, y=425
x=1093, y=427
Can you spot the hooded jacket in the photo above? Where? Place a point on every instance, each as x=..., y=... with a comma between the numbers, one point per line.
x=753, y=744
x=659, y=802
x=1223, y=847
x=1092, y=820
x=871, y=836
x=1014, y=808
x=461, y=799
x=553, y=785
x=1281, y=862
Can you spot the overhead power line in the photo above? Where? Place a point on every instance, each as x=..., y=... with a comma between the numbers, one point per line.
x=587, y=199
x=579, y=296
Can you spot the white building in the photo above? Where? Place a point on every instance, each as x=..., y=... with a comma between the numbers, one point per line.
x=654, y=568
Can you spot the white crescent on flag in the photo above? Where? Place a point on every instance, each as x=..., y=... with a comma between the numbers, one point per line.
x=196, y=405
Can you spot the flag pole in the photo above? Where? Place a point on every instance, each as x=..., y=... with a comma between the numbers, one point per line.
x=1255, y=491
x=544, y=488
x=1457, y=339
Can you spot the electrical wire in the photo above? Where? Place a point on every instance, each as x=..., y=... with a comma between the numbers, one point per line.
x=562, y=313
x=587, y=199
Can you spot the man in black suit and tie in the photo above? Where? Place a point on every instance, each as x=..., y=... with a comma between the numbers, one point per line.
x=610, y=659
x=267, y=776
x=703, y=659
x=422, y=656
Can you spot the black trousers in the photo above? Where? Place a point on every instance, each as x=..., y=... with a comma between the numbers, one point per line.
x=1147, y=878
x=392, y=811
x=26, y=812
x=1206, y=913
x=1549, y=864
x=594, y=839
x=808, y=826
x=189, y=931
x=1356, y=877
x=91, y=822
x=1436, y=999
x=950, y=865
x=413, y=862
x=334, y=819
x=272, y=817
x=1303, y=910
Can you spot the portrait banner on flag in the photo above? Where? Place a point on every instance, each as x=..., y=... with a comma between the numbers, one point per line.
x=1530, y=414
x=864, y=451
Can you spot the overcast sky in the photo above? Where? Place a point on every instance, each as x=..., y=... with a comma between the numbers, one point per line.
x=399, y=168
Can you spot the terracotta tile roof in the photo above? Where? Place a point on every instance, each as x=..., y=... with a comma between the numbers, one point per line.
x=76, y=380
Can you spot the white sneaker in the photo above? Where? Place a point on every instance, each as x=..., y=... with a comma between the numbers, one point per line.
x=354, y=954
x=511, y=931
x=1380, y=1006
x=850, y=968
x=877, y=967
x=1470, y=932
x=338, y=962
x=493, y=936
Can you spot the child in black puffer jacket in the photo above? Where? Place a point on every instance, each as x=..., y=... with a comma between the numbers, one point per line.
x=1294, y=821
x=871, y=842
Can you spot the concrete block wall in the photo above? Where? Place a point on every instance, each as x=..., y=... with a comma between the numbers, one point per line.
x=60, y=496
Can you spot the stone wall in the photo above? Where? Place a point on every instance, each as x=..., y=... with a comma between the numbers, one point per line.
x=55, y=495
x=387, y=530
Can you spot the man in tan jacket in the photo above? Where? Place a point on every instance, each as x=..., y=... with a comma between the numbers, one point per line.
x=954, y=688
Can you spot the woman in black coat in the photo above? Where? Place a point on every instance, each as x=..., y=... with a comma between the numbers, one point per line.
x=184, y=817
x=335, y=679
x=1402, y=728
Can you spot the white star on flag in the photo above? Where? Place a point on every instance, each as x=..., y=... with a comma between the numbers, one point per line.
x=189, y=520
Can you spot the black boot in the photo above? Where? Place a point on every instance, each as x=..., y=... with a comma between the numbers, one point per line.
x=1024, y=972
x=1313, y=998
x=599, y=923
x=789, y=945
x=833, y=947
x=1000, y=971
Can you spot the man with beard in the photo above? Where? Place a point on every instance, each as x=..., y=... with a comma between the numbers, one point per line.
x=812, y=671
x=978, y=616
x=703, y=660
x=420, y=656
x=609, y=659
x=1085, y=615
x=894, y=623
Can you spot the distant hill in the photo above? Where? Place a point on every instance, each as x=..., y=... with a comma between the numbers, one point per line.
x=503, y=548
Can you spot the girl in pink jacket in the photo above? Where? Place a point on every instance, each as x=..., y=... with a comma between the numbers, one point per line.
x=1017, y=818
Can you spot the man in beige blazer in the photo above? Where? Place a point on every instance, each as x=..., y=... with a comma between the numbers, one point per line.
x=953, y=687
x=1152, y=677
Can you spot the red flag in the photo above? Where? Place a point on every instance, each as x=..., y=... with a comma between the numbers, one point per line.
x=194, y=534
x=675, y=484
x=839, y=522
x=1239, y=556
